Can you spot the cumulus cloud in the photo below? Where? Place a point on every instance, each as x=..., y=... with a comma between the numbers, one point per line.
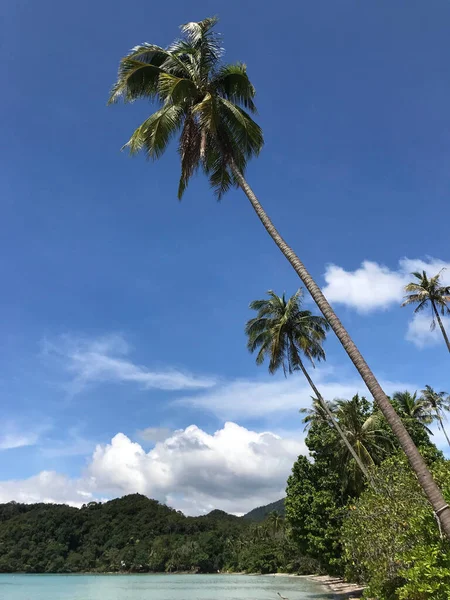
x=106, y=360
x=420, y=334
x=234, y=469
x=154, y=434
x=47, y=486
x=375, y=287
x=245, y=399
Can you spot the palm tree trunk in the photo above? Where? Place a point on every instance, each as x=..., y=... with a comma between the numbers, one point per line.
x=432, y=491
x=439, y=418
x=441, y=325
x=336, y=425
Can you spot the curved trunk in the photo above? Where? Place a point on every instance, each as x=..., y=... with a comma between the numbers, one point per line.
x=441, y=325
x=429, y=486
x=336, y=425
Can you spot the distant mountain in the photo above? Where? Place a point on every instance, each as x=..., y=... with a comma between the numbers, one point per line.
x=260, y=513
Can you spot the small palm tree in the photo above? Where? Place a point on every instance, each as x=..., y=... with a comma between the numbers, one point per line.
x=366, y=434
x=283, y=332
x=208, y=104
x=317, y=413
x=414, y=408
x=437, y=402
x=429, y=292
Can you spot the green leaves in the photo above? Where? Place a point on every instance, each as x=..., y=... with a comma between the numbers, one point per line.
x=136, y=80
x=154, y=133
x=176, y=90
x=283, y=332
x=390, y=537
x=232, y=83
x=197, y=95
x=425, y=291
x=244, y=133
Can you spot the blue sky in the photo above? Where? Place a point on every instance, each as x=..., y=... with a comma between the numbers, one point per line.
x=123, y=310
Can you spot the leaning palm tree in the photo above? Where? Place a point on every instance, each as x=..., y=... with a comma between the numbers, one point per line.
x=208, y=104
x=414, y=408
x=283, y=333
x=438, y=402
x=429, y=292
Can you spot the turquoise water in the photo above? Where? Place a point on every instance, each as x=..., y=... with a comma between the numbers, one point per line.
x=156, y=587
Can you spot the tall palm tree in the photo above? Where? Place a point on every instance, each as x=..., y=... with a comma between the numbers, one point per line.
x=414, y=408
x=425, y=292
x=207, y=102
x=438, y=402
x=283, y=332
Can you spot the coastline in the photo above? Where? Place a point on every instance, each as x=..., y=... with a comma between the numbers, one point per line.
x=340, y=588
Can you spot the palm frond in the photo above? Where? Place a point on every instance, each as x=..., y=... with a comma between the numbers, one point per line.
x=189, y=150
x=233, y=83
x=201, y=37
x=154, y=134
x=176, y=90
x=135, y=80
x=246, y=134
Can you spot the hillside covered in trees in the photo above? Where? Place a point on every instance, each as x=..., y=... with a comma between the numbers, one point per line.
x=262, y=512
x=134, y=534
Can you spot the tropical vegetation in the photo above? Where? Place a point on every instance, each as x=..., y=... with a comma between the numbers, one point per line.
x=208, y=103
x=135, y=534
x=429, y=292
x=283, y=333
x=382, y=535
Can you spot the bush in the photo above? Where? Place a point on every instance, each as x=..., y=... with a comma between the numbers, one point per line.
x=391, y=539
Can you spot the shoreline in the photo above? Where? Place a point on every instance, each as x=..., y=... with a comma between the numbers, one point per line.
x=341, y=589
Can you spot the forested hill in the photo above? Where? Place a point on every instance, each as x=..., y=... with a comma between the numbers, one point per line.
x=132, y=533
x=260, y=513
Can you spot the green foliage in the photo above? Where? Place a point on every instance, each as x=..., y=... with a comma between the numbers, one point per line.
x=428, y=573
x=425, y=291
x=324, y=510
x=199, y=98
x=391, y=540
x=135, y=534
x=132, y=533
x=261, y=512
x=283, y=332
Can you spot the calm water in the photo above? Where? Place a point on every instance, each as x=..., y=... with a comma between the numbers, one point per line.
x=156, y=587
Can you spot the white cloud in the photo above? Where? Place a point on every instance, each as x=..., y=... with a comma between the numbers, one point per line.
x=278, y=396
x=234, y=469
x=47, y=486
x=373, y=286
x=105, y=360
x=16, y=435
x=154, y=434
x=420, y=334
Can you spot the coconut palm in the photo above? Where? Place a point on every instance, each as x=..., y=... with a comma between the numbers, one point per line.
x=366, y=434
x=317, y=413
x=437, y=402
x=208, y=104
x=283, y=333
x=414, y=408
x=429, y=292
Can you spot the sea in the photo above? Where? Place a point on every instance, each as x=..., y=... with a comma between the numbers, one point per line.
x=158, y=587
